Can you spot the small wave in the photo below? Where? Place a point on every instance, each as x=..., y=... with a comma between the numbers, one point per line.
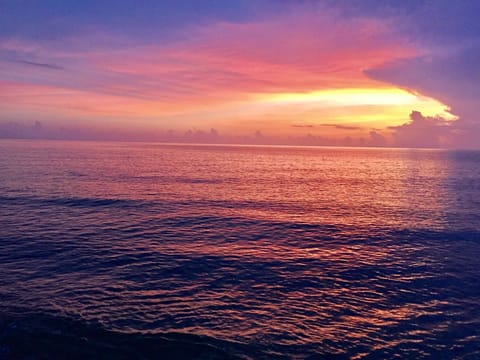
x=199, y=181
x=71, y=202
x=130, y=203
x=76, y=174
x=172, y=179
x=35, y=336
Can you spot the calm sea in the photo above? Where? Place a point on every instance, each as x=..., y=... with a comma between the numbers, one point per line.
x=238, y=252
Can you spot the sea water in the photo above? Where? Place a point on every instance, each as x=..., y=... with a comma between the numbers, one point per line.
x=248, y=251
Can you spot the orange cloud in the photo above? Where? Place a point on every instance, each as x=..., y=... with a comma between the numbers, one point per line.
x=262, y=75
x=297, y=53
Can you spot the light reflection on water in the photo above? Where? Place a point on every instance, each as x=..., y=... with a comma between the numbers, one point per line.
x=301, y=251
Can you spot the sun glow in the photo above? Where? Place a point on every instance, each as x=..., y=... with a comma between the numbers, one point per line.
x=356, y=97
x=383, y=106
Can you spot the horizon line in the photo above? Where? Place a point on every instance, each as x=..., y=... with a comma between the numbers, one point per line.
x=279, y=145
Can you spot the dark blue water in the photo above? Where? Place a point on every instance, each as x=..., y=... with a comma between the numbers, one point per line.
x=241, y=252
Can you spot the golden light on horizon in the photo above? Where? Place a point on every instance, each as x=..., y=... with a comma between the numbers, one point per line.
x=371, y=107
x=354, y=97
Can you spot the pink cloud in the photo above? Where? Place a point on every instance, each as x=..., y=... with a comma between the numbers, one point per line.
x=423, y=131
x=211, y=67
x=295, y=53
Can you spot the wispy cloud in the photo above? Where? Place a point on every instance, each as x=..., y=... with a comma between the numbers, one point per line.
x=41, y=65
x=307, y=126
x=335, y=126
x=342, y=127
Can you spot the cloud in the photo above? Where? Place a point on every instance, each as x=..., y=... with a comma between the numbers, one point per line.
x=220, y=62
x=376, y=139
x=36, y=130
x=42, y=65
x=15, y=130
x=303, y=126
x=173, y=64
x=452, y=78
x=447, y=69
x=208, y=71
x=423, y=132
x=342, y=127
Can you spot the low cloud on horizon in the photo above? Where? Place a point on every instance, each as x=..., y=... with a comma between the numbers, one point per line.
x=418, y=132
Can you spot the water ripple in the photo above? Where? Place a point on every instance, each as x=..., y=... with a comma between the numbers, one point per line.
x=298, y=254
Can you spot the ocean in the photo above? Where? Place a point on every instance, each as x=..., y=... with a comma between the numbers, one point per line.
x=131, y=250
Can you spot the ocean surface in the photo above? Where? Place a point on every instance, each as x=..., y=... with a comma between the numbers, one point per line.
x=182, y=251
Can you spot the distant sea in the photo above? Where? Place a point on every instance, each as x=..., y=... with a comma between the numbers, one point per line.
x=129, y=250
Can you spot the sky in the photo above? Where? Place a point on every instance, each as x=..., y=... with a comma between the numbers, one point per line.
x=345, y=72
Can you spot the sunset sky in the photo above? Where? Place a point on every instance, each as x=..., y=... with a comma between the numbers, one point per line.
x=369, y=73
